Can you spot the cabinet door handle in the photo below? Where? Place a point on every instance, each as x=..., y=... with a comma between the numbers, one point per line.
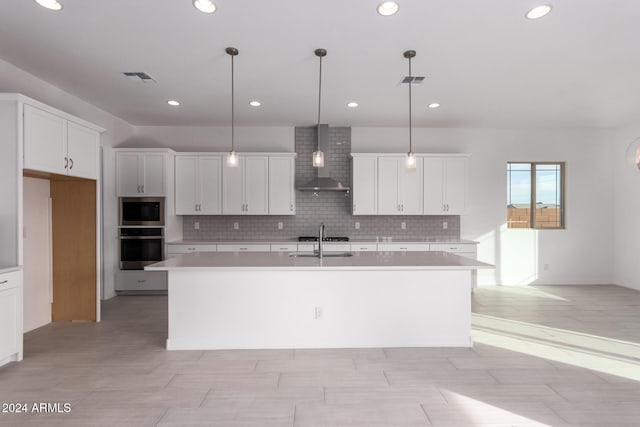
x=291, y=208
x=4, y=281
x=66, y=163
x=402, y=208
x=354, y=207
x=70, y=163
x=142, y=186
x=141, y=281
x=138, y=188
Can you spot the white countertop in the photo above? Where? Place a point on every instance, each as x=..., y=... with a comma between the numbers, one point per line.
x=10, y=269
x=244, y=261
x=357, y=240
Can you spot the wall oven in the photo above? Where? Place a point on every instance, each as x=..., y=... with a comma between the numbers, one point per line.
x=147, y=211
x=140, y=247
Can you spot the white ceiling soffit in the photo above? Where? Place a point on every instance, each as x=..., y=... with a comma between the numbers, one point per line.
x=484, y=62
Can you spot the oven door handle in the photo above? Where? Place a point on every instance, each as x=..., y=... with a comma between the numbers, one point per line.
x=140, y=237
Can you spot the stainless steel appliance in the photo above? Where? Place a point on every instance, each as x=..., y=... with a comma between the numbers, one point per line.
x=140, y=247
x=142, y=211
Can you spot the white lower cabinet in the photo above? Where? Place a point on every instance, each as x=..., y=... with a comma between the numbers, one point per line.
x=187, y=249
x=244, y=248
x=140, y=280
x=10, y=317
x=403, y=247
x=284, y=247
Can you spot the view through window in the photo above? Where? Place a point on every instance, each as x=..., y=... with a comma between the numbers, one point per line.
x=535, y=195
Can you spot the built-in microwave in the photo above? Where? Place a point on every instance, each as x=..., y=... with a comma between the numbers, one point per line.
x=142, y=211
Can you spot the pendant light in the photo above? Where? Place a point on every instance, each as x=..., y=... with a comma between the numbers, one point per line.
x=318, y=156
x=411, y=157
x=232, y=157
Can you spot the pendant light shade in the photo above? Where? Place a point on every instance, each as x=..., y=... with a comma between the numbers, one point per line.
x=411, y=157
x=232, y=157
x=318, y=155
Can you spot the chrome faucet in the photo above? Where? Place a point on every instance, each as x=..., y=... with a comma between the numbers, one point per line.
x=320, y=240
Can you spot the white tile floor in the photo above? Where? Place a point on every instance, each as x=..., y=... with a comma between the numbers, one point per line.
x=544, y=355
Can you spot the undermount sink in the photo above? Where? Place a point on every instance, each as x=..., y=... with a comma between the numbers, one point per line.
x=325, y=255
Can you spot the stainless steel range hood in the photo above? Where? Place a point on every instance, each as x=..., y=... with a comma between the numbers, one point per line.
x=323, y=181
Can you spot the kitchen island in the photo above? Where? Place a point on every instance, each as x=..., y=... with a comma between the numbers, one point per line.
x=274, y=300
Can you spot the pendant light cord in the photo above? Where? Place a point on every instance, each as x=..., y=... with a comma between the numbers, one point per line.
x=319, y=90
x=232, y=105
x=410, y=79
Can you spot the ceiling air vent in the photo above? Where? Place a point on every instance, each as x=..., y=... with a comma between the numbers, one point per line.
x=415, y=80
x=139, y=76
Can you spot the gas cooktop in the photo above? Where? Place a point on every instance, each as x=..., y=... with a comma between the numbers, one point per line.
x=325, y=239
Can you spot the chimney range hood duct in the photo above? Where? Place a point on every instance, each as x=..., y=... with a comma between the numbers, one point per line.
x=323, y=182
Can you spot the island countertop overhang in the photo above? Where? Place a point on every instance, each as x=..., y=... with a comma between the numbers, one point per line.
x=383, y=261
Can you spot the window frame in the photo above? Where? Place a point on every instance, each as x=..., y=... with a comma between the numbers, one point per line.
x=532, y=214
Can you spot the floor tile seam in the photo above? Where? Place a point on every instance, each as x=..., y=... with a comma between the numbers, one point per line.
x=556, y=392
x=161, y=417
x=426, y=414
x=204, y=399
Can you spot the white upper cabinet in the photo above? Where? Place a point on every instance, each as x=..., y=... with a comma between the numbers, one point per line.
x=57, y=145
x=82, y=150
x=210, y=185
x=445, y=185
x=365, y=185
x=245, y=188
x=282, y=195
x=140, y=173
x=399, y=188
x=198, y=185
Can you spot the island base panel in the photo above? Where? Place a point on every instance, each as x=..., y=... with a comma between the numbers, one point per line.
x=222, y=309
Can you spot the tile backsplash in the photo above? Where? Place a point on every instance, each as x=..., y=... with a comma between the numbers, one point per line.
x=331, y=208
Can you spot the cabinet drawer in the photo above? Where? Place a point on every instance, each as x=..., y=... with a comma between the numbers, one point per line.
x=336, y=247
x=364, y=247
x=9, y=280
x=403, y=247
x=244, y=248
x=454, y=248
x=140, y=280
x=185, y=249
x=307, y=247
x=284, y=248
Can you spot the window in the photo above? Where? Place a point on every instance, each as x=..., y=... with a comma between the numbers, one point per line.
x=535, y=195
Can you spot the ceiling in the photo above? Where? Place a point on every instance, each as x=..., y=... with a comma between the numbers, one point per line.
x=485, y=63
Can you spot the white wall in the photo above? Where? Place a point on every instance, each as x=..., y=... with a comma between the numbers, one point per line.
x=626, y=190
x=205, y=138
x=13, y=79
x=582, y=253
x=37, y=253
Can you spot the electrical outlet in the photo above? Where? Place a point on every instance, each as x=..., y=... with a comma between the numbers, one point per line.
x=196, y=225
x=280, y=226
x=445, y=225
x=318, y=313
x=403, y=225
x=236, y=226
x=357, y=226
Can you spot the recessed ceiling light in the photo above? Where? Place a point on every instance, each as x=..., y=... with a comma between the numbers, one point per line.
x=388, y=8
x=352, y=104
x=434, y=105
x=255, y=103
x=50, y=4
x=538, y=11
x=205, y=6
x=173, y=102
